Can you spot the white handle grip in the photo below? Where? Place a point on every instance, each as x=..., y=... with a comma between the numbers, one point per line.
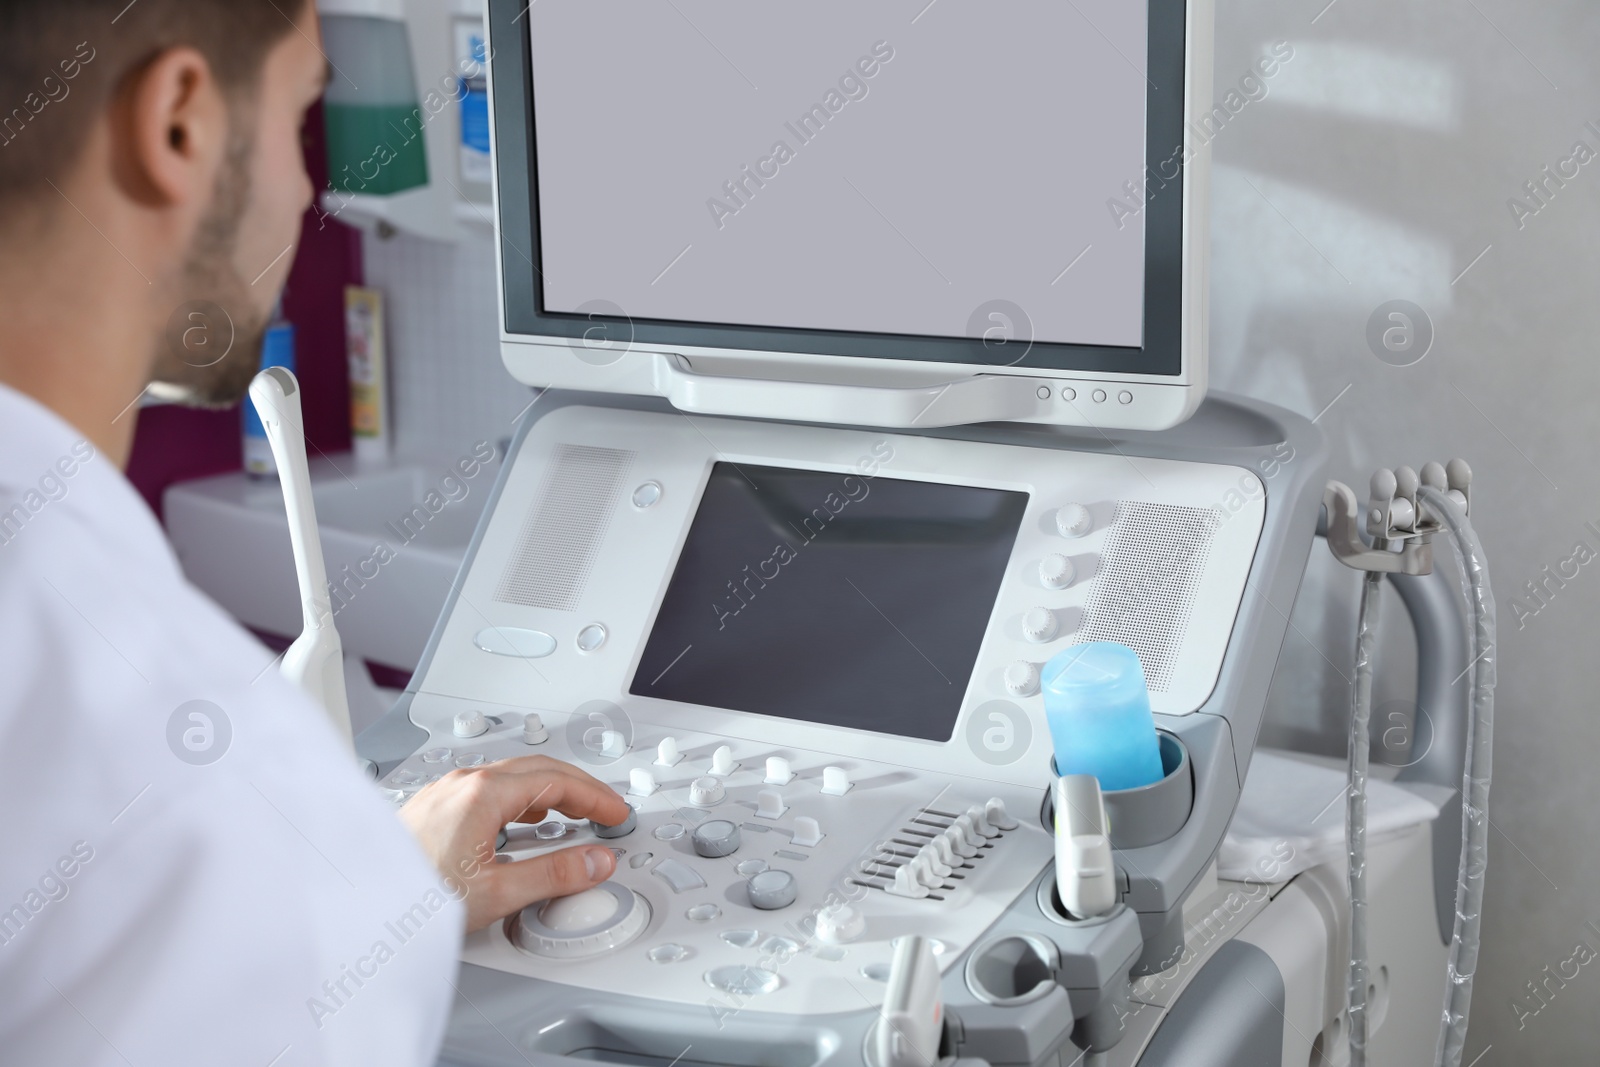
x=981, y=398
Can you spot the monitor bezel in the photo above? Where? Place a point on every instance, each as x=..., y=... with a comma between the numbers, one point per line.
x=1161, y=359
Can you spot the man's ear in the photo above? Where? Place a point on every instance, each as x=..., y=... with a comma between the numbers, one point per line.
x=176, y=131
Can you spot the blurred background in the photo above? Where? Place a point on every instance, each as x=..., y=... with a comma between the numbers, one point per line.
x=1446, y=155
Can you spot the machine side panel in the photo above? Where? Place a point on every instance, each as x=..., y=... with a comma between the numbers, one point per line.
x=1230, y=1016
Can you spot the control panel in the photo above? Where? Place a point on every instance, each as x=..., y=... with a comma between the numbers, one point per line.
x=580, y=594
x=744, y=870
x=810, y=660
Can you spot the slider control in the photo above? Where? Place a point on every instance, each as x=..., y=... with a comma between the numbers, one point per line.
x=667, y=754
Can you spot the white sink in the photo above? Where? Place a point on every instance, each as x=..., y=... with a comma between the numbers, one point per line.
x=390, y=556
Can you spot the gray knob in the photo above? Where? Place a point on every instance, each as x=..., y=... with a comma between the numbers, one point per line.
x=622, y=829
x=771, y=890
x=716, y=837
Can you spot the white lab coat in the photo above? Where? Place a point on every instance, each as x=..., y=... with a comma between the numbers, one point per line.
x=225, y=889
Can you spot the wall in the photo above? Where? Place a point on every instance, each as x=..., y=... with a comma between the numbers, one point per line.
x=1377, y=167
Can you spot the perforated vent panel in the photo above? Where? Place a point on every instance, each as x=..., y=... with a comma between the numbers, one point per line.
x=563, y=529
x=1144, y=591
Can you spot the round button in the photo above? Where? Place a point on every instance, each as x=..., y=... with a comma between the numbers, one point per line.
x=1044, y=392
x=1022, y=679
x=750, y=868
x=470, y=759
x=1124, y=397
x=706, y=791
x=470, y=724
x=669, y=831
x=1068, y=393
x=838, y=923
x=1039, y=625
x=771, y=890
x=436, y=755
x=551, y=830
x=646, y=495
x=591, y=637
x=668, y=953
x=1073, y=520
x=703, y=913
x=715, y=837
x=1056, y=571
x=1099, y=396
x=742, y=980
x=622, y=829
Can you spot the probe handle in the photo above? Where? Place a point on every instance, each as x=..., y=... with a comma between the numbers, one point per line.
x=315, y=661
x=1085, y=876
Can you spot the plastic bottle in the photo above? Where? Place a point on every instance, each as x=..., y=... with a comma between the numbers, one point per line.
x=277, y=350
x=1098, y=709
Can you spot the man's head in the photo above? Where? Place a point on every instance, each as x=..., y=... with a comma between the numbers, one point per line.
x=159, y=142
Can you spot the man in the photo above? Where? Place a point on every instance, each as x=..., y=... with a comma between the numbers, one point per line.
x=193, y=870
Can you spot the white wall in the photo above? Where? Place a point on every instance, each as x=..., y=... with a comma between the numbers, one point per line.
x=1377, y=168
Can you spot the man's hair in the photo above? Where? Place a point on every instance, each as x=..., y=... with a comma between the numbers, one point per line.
x=62, y=61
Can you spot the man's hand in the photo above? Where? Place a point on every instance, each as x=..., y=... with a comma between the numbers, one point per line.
x=457, y=818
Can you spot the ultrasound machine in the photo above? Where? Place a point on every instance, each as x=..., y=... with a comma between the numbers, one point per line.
x=861, y=399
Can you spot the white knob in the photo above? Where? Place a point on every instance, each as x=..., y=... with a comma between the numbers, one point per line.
x=1073, y=520
x=470, y=724
x=839, y=923
x=705, y=792
x=906, y=883
x=980, y=821
x=667, y=754
x=999, y=818
x=958, y=842
x=641, y=783
x=769, y=804
x=722, y=763
x=533, y=730
x=1039, y=625
x=778, y=772
x=612, y=744
x=835, y=781
x=1022, y=678
x=922, y=871
x=807, y=832
x=1056, y=571
x=931, y=854
x=946, y=854
x=969, y=832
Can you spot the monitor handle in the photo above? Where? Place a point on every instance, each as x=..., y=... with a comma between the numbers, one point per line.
x=980, y=398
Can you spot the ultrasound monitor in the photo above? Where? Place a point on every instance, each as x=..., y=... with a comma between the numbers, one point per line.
x=900, y=214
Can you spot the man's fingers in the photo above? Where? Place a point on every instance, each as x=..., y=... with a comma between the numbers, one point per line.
x=513, y=886
x=535, y=784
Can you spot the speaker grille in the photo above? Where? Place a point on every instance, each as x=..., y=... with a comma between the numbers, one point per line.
x=1144, y=590
x=562, y=531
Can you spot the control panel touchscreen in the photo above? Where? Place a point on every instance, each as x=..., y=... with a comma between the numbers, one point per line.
x=832, y=598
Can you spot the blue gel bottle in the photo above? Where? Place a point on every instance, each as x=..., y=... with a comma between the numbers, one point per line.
x=1098, y=709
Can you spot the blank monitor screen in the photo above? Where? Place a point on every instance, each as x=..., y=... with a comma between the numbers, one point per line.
x=832, y=598
x=885, y=167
